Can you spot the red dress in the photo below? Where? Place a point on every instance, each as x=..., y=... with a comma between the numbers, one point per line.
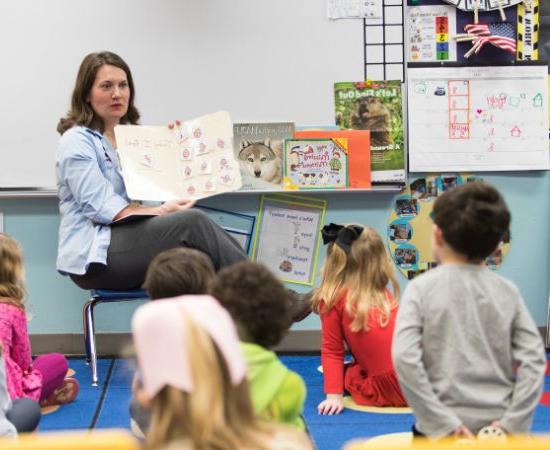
x=370, y=378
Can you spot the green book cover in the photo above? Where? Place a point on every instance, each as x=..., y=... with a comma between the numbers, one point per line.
x=376, y=106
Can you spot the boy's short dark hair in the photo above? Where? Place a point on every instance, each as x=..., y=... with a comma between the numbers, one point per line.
x=473, y=219
x=258, y=302
x=179, y=271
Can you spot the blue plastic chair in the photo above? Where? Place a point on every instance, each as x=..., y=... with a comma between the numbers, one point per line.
x=101, y=296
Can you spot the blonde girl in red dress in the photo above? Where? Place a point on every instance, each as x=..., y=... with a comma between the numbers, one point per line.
x=357, y=309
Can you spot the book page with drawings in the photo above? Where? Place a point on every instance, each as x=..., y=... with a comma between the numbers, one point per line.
x=193, y=161
x=478, y=118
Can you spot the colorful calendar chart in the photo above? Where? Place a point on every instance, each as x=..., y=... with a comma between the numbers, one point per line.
x=431, y=31
x=487, y=118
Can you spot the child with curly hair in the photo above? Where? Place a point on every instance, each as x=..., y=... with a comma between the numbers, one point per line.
x=261, y=307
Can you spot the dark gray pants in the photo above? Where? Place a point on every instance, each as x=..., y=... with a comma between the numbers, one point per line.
x=133, y=246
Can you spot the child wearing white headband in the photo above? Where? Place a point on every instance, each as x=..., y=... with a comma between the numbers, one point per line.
x=194, y=380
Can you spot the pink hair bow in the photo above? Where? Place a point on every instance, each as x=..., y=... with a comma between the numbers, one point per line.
x=159, y=338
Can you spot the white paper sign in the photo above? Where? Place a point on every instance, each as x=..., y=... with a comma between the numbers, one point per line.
x=354, y=9
x=478, y=118
x=288, y=240
x=189, y=162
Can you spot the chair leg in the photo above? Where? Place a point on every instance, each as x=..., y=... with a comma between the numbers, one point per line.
x=85, y=313
x=90, y=338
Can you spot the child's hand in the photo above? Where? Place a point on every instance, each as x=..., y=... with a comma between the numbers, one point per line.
x=334, y=404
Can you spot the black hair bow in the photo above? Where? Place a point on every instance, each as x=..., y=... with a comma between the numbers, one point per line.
x=343, y=236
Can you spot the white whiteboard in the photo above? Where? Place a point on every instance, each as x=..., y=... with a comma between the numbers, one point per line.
x=261, y=60
x=478, y=118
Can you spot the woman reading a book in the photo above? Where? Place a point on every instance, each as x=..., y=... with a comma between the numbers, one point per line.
x=94, y=250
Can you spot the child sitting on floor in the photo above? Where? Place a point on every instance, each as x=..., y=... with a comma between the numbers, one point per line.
x=466, y=350
x=357, y=309
x=196, y=386
x=17, y=416
x=261, y=307
x=43, y=379
x=174, y=272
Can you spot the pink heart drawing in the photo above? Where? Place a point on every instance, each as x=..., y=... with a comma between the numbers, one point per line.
x=479, y=111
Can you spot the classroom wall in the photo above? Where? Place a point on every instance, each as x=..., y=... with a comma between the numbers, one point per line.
x=56, y=303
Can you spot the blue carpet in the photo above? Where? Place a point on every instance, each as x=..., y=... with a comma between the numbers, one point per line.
x=114, y=411
x=80, y=413
x=92, y=409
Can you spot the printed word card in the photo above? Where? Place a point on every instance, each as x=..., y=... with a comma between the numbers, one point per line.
x=478, y=118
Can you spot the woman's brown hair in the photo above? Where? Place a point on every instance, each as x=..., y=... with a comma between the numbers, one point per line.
x=81, y=112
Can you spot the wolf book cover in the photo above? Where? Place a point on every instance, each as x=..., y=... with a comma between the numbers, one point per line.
x=259, y=149
x=375, y=106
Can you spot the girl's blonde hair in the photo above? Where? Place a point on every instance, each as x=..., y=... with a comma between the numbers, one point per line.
x=12, y=289
x=365, y=273
x=216, y=415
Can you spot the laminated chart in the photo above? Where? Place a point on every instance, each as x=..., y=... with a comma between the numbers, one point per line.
x=487, y=118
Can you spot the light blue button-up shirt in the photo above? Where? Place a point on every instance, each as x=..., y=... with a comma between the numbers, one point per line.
x=91, y=192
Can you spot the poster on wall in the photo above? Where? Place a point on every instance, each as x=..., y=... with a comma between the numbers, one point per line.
x=287, y=236
x=431, y=32
x=486, y=118
x=410, y=225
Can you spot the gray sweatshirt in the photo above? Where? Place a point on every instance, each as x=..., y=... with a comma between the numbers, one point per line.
x=460, y=331
x=6, y=427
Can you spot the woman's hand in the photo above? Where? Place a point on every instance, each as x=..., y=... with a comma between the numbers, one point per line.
x=334, y=404
x=176, y=205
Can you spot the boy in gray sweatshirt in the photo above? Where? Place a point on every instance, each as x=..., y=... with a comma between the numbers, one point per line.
x=466, y=350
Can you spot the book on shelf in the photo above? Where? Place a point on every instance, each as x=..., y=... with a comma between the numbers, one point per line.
x=259, y=148
x=375, y=106
x=316, y=164
x=359, y=170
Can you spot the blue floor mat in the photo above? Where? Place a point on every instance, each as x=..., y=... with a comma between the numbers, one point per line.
x=328, y=432
x=80, y=413
x=114, y=411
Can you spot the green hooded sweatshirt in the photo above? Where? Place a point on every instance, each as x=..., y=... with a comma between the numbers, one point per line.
x=277, y=393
